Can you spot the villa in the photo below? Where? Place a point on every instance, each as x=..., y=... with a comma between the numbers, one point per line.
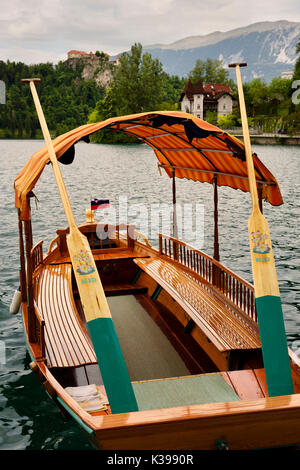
x=199, y=99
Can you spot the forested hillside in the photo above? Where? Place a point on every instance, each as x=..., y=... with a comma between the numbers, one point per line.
x=67, y=99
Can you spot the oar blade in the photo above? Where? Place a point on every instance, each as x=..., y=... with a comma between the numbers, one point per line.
x=101, y=328
x=269, y=308
x=275, y=351
x=263, y=264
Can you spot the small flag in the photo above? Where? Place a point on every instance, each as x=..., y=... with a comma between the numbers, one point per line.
x=99, y=204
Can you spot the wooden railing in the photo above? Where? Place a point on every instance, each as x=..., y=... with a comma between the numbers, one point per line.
x=142, y=236
x=234, y=288
x=52, y=244
x=37, y=255
x=108, y=235
x=100, y=236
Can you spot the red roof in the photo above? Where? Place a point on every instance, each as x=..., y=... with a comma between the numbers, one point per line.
x=214, y=90
x=80, y=52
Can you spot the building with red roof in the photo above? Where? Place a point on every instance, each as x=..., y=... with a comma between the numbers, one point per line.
x=79, y=54
x=198, y=99
x=84, y=55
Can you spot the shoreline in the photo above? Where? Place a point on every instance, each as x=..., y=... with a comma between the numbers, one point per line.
x=270, y=139
x=256, y=139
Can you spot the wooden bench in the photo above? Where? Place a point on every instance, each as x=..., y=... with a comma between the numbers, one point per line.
x=66, y=341
x=225, y=325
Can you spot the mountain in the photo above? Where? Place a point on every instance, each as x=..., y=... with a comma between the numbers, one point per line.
x=269, y=48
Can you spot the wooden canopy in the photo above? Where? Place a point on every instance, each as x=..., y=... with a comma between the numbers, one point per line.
x=185, y=146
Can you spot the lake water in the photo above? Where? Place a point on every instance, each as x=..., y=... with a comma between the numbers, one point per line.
x=129, y=178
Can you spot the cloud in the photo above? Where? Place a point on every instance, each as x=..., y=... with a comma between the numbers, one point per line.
x=49, y=28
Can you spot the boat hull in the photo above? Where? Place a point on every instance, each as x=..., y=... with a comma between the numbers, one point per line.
x=254, y=423
x=270, y=422
x=240, y=425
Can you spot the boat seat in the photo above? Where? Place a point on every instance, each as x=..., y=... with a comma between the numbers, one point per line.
x=227, y=329
x=67, y=342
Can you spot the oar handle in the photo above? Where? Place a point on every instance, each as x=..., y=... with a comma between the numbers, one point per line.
x=51, y=152
x=247, y=143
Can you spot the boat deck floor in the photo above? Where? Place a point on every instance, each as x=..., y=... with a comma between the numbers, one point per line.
x=183, y=391
x=147, y=351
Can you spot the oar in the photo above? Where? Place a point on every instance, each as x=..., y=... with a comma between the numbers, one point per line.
x=96, y=310
x=268, y=302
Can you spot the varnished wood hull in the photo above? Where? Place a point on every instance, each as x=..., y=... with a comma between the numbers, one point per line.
x=249, y=425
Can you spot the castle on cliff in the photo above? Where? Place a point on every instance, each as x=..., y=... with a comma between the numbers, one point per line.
x=90, y=55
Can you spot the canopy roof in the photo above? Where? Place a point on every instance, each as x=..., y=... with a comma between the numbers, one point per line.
x=182, y=143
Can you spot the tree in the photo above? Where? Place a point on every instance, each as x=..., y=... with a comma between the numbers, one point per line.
x=138, y=83
x=296, y=75
x=66, y=98
x=280, y=88
x=227, y=122
x=173, y=87
x=279, y=95
x=106, y=109
x=210, y=71
x=137, y=86
x=102, y=55
x=256, y=97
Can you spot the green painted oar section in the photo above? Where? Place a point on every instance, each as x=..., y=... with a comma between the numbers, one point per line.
x=268, y=302
x=96, y=310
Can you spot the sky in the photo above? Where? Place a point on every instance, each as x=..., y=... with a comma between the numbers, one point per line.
x=34, y=31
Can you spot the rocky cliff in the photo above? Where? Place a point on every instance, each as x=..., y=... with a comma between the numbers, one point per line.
x=93, y=68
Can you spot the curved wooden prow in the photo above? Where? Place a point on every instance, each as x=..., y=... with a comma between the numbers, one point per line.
x=95, y=307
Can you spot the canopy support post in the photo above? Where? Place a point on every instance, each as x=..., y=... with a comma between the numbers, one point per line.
x=30, y=305
x=260, y=198
x=23, y=283
x=216, y=229
x=175, y=232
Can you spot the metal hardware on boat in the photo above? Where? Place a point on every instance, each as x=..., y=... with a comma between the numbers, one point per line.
x=221, y=444
x=156, y=292
x=189, y=326
x=34, y=367
x=89, y=216
x=16, y=302
x=136, y=276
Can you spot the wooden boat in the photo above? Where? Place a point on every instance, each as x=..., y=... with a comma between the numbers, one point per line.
x=186, y=323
